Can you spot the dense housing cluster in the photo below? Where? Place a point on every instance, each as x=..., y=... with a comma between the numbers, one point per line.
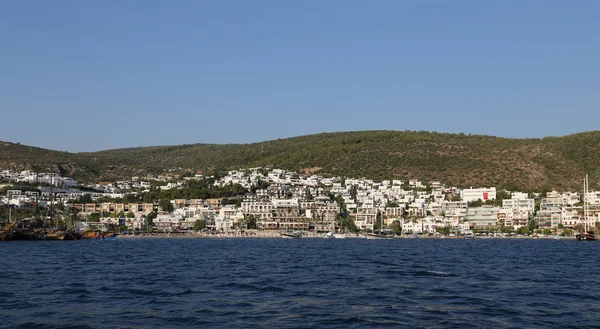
x=275, y=199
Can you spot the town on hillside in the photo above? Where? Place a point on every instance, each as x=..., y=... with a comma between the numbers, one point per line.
x=274, y=199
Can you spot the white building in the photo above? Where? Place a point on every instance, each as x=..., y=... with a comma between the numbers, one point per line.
x=474, y=194
x=519, y=205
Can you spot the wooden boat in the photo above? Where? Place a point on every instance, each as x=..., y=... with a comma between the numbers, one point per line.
x=588, y=234
x=55, y=235
x=380, y=235
x=99, y=235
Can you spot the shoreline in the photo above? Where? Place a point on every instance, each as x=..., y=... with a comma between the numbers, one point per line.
x=277, y=235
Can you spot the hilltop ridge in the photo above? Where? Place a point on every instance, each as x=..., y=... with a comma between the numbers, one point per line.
x=455, y=159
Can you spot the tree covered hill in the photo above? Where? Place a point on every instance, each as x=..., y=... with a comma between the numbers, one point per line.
x=456, y=159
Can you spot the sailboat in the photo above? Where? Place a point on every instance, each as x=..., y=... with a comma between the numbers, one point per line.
x=55, y=233
x=588, y=234
x=8, y=231
x=382, y=234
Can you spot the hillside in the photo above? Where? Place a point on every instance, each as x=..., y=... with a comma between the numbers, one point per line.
x=457, y=159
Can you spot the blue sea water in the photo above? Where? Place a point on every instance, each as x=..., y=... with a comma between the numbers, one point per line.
x=306, y=283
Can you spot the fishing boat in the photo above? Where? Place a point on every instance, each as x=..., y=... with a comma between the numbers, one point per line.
x=588, y=233
x=291, y=235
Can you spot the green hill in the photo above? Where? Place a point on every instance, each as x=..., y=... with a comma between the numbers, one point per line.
x=456, y=159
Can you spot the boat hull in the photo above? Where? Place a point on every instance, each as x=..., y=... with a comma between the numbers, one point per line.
x=290, y=236
x=378, y=237
x=586, y=236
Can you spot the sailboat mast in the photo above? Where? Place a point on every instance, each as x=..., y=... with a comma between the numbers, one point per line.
x=585, y=207
x=583, y=210
x=51, y=201
x=587, y=193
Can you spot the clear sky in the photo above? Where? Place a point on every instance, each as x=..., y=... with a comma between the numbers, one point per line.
x=92, y=75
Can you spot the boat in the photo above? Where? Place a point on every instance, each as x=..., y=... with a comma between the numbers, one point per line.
x=59, y=235
x=588, y=234
x=380, y=235
x=99, y=235
x=291, y=235
x=468, y=234
x=110, y=236
x=332, y=235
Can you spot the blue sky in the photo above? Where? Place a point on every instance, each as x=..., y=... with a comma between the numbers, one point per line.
x=93, y=75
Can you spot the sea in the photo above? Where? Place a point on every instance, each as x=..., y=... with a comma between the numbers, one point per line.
x=304, y=283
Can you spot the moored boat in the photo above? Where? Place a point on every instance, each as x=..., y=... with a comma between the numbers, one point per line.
x=99, y=235
x=55, y=235
x=586, y=236
x=291, y=235
x=380, y=235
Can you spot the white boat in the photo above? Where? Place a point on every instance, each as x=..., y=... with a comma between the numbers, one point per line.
x=468, y=234
x=291, y=235
x=331, y=235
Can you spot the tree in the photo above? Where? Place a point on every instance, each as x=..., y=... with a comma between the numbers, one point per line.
x=524, y=230
x=199, y=224
x=166, y=205
x=86, y=198
x=532, y=225
x=477, y=203
x=445, y=230
x=130, y=215
x=94, y=217
x=378, y=225
x=350, y=225
x=396, y=226
x=149, y=221
x=309, y=196
x=251, y=222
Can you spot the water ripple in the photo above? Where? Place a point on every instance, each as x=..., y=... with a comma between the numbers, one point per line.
x=249, y=283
